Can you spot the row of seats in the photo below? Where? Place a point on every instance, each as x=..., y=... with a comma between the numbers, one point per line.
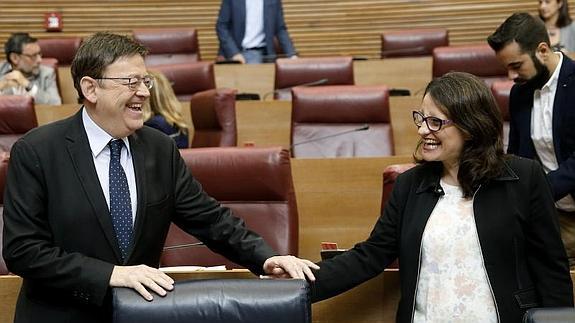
x=175, y=52
x=256, y=183
x=181, y=45
x=327, y=121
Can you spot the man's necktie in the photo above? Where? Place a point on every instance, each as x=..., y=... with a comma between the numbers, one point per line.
x=120, y=204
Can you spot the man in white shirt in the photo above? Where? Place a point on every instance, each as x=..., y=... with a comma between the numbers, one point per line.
x=542, y=109
x=23, y=74
x=246, y=30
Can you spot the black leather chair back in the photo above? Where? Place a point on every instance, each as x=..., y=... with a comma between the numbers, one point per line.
x=219, y=300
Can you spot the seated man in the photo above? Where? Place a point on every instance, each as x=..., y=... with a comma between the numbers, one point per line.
x=246, y=30
x=22, y=73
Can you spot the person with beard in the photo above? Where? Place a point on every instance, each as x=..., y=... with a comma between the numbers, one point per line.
x=541, y=108
x=23, y=74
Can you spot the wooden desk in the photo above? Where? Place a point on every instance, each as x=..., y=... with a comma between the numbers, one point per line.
x=412, y=73
x=267, y=123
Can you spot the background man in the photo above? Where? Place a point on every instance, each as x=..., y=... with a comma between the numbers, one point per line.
x=246, y=30
x=22, y=73
x=542, y=109
x=89, y=199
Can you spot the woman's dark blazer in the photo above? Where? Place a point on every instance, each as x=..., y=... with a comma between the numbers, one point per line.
x=518, y=232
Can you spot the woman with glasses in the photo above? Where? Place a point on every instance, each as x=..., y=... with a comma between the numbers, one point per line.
x=163, y=110
x=475, y=231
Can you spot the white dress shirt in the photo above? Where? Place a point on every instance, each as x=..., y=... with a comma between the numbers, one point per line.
x=453, y=285
x=542, y=130
x=99, y=139
x=254, y=35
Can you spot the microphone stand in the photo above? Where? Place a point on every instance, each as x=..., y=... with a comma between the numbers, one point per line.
x=314, y=83
x=184, y=245
x=362, y=128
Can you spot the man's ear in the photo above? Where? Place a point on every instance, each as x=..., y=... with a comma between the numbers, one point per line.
x=543, y=51
x=14, y=58
x=89, y=87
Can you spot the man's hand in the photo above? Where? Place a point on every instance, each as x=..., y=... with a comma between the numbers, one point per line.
x=239, y=57
x=289, y=266
x=16, y=78
x=141, y=277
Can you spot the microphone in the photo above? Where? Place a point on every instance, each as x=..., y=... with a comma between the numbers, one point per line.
x=314, y=83
x=403, y=51
x=228, y=62
x=183, y=246
x=362, y=128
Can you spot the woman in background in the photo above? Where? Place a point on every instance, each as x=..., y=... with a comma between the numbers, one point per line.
x=555, y=14
x=475, y=231
x=163, y=110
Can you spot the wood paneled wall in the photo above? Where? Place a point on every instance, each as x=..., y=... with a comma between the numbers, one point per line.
x=318, y=27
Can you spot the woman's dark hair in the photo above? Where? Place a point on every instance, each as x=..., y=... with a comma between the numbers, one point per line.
x=564, y=18
x=466, y=100
x=99, y=51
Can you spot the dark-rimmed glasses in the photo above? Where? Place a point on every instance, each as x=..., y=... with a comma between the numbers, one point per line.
x=133, y=83
x=32, y=56
x=433, y=123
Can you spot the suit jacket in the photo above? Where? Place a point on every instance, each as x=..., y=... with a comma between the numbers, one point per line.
x=58, y=234
x=518, y=232
x=231, y=26
x=520, y=143
x=45, y=81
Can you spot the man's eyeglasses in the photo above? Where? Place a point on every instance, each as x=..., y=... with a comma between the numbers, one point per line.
x=32, y=56
x=433, y=123
x=133, y=83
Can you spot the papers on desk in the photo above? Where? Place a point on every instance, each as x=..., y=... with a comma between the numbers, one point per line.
x=187, y=269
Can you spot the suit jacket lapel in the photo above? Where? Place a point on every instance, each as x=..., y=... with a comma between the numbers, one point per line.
x=78, y=148
x=566, y=76
x=139, y=160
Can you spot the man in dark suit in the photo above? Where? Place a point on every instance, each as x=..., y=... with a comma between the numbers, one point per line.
x=89, y=199
x=542, y=109
x=246, y=30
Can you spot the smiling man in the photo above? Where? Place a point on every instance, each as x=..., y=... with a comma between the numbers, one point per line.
x=89, y=199
x=542, y=109
x=23, y=74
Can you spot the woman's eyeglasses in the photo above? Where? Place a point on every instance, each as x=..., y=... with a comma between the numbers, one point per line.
x=433, y=123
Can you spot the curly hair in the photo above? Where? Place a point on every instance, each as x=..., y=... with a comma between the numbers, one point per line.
x=466, y=100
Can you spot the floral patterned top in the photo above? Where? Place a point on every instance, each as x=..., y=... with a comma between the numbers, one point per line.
x=453, y=285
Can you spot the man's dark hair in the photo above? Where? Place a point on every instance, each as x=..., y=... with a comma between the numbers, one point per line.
x=523, y=28
x=16, y=43
x=469, y=103
x=564, y=19
x=99, y=51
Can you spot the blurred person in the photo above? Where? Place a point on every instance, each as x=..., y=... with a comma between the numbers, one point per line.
x=89, y=199
x=541, y=110
x=162, y=110
x=561, y=30
x=475, y=231
x=23, y=74
x=246, y=31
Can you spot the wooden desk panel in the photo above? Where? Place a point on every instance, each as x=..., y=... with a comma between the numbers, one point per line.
x=267, y=123
x=338, y=199
x=409, y=73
